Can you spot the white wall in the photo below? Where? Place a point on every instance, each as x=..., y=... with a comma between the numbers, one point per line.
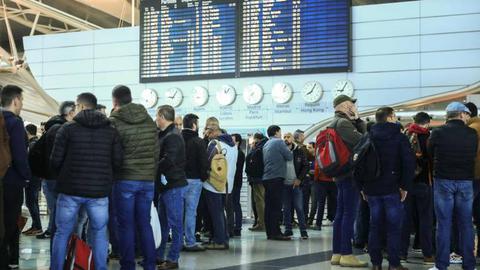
x=401, y=51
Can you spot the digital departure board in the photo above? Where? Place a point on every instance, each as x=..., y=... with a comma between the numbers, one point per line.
x=188, y=39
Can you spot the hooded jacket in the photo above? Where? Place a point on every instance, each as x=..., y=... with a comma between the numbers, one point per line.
x=86, y=153
x=474, y=123
x=196, y=152
x=19, y=171
x=424, y=161
x=138, y=134
x=172, y=159
x=231, y=154
x=396, y=158
x=454, y=149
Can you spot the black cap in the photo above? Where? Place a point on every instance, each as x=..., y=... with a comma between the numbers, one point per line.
x=342, y=98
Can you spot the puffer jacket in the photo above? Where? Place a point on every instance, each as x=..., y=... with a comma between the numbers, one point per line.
x=138, y=134
x=86, y=153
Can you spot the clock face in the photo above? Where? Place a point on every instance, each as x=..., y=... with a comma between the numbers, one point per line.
x=149, y=98
x=173, y=97
x=343, y=87
x=200, y=96
x=312, y=92
x=226, y=95
x=282, y=93
x=253, y=94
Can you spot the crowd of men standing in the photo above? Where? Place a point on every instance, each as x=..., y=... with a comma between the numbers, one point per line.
x=110, y=170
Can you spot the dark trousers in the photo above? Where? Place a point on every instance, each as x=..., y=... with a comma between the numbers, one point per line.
x=204, y=221
x=12, y=201
x=386, y=214
x=237, y=208
x=216, y=202
x=326, y=192
x=419, y=201
x=31, y=200
x=307, y=193
x=230, y=214
x=362, y=224
x=273, y=206
x=254, y=206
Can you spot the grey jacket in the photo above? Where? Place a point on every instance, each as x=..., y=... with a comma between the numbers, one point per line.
x=275, y=157
x=350, y=130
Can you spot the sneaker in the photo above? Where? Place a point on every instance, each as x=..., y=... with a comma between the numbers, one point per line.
x=28, y=231
x=456, y=259
x=257, y=229
x=195, y=248
x=352, y=261
x=429, y=260
x=168, y=265
x=304, y=235
x=433, y=268
x=13, y=266
x=45, y=235
x=403, y=259
x=288, y=233
x=34, y=232
x=335, y=259
x=215, y=246
x=198, y=237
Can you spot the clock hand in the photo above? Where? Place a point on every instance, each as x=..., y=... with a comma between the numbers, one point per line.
x=343, y=88
x=311, y=90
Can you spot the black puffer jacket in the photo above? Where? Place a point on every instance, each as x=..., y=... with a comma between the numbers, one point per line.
x=51, y=128
x=86, y=152
x=454, y=149
x=196, y=154
x=172, y=159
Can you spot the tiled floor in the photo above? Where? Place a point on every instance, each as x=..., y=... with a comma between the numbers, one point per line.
x=251, y=251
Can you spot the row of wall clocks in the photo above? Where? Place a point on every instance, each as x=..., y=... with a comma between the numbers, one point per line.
x=253, y=94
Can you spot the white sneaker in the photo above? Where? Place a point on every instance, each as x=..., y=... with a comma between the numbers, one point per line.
x=13, y=266
x=456, y=259
x=433, y=268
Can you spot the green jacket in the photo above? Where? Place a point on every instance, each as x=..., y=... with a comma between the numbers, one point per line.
x=139, y=138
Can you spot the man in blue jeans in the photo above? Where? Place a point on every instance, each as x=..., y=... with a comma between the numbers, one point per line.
x=134, y=188
x=454, y=148
x=196, y=173
x=386, y=192
x=86, y=153
x=171, y=185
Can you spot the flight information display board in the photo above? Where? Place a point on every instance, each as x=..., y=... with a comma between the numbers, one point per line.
x=187, y=39
x=196, y=39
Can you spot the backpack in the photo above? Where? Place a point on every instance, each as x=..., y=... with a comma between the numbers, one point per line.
x=365, y=160
x=79, y=255
x=331, y=153
x=5, y=154
x=218, y=169
x=417, y=149
x=37, y=158
x=254, y=166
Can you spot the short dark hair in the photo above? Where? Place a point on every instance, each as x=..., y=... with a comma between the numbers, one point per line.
x=258, y=136
x=189, y=120
x=238, y=138
x=422, y=118
x=122, y=94
x=31, y=129
x=167, y=111
x=453, y=115
x=88, y=100
x=272, y=130
x=100, y=107
x=66, y=107
x=383, y=113
x=9, y=93
x=473, y=109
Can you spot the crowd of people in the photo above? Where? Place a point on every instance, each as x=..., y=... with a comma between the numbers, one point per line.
x=102, y=175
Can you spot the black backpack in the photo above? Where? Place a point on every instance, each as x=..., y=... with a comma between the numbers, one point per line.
x=254, y=165
x=365, y=160
x=36, y=158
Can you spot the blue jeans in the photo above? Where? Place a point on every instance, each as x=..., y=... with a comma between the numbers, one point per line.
x=51, y=198
x=450, y=196
x=66, y=217
x=192, y=196
x=215, y=204
x=132, y=202
x=31, y=200
x=170, y=212
x=386, y=213
x=295, y=195
x=82, y=221
x=347, y=201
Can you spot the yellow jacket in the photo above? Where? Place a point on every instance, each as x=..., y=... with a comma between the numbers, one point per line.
x=474, y=123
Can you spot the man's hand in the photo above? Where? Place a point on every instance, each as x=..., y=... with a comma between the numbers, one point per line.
x=403, y=195
x=296, y=183
x=364, y=197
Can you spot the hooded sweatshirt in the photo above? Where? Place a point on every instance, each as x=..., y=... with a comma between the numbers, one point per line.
x=231, y=154
x=139, y=138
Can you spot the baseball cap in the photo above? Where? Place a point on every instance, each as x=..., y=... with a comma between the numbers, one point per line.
x=342, y=98
x=457, y=107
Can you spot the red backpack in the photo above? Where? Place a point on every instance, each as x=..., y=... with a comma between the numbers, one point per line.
x=331, y=153
x=79, y=255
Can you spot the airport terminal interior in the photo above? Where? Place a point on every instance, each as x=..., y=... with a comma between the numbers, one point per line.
x=249, y=64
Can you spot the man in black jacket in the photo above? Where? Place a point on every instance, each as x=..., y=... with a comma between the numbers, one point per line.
x=86, y=153
x=237, y=187
x=454, y=149
x=297, y=170
x=386, y=193
x=254, y=169
x=196, y=173
x=172, y=184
